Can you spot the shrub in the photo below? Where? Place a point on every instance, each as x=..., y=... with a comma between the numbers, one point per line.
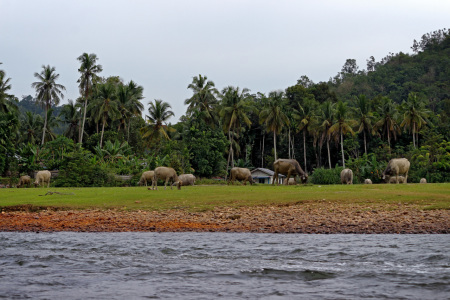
x=78, y=170
x=366, y=166
x=327, y=176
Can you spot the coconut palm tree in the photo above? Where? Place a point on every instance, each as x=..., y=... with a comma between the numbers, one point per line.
x=235, y=107
x=364, y=117
x=7, y=102
x=415, y=115
x=388, y=120
x=52, y=122
x=307, y=117
x=326, y=120
x=30, y=125
x=89, y=70
x=106, y=105
x=292, y=116
x=203, y=99
x=342, y=126
x=70, y=114
x=156, y=127
x=129, y=97
x=48, y=92
x=273, y=116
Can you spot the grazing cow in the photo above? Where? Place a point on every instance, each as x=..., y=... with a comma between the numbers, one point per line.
x=24, y=180
x=43, y=177
x=288, y=167
x=166, y=174
x=396, y=167
x=423, y=180
x=147, y=176
x=243, y=174
x=187, y=179
x=367, y=181
x=397, y=179
x=347, y=176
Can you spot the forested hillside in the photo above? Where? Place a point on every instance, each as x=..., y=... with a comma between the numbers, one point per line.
x=360, y=118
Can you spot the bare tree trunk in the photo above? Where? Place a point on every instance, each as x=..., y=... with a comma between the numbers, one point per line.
x=320, y=154
x=293, y=146
x=289, y=147
x=79, y=128
x=329, y=155
x=45, y=126
x=103, y=130
x=262, y=153
x=304, y=148
x=228, y=163
x=414, y=135
x=84, y=114
x=342, y=149
x=389, y=141
x=275, y=144
x=365, y=144
x=229, y=153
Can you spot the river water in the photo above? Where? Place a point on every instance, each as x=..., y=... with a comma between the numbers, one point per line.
x=223, y=265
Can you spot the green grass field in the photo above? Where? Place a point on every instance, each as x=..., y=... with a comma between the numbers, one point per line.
x=201, y=198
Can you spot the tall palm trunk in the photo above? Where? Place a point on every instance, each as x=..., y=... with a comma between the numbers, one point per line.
x=365, y=143
x=45, y=126
x=304, y=147
x=262, y=152
x=342, y=148
x=293, y=143
x=103, y=130
x=329, y=155
x=84, y=114
x=414, y=134
x=289, y=147
x=320, y=154
x=389, y=140
x=229, y=153
x=275, y=144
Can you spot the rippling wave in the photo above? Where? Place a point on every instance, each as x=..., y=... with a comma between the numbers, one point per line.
x=228, y=265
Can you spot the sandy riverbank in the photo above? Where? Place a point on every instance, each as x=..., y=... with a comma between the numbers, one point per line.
x=303, y=218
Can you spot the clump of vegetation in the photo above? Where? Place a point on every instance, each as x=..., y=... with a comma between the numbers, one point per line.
x=78, y=169
x=327, y=176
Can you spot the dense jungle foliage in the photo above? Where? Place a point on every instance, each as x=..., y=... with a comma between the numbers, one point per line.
x=360, y=118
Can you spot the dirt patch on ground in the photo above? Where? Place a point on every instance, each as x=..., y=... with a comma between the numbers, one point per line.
x=299, y=218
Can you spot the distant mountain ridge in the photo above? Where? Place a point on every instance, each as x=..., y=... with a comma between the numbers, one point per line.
x=28, y=103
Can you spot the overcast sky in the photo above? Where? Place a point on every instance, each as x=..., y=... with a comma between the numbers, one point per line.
x=260, y=45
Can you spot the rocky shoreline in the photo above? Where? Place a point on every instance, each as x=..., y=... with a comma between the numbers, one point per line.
x=316, y=218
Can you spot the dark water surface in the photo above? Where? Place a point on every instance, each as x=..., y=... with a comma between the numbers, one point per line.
x=223, y=265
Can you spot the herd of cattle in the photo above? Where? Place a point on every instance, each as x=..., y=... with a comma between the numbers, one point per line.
x=396, y=172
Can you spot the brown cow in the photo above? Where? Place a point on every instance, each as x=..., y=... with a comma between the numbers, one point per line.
x=24, y=180
x=243, y=174
x=288, y=167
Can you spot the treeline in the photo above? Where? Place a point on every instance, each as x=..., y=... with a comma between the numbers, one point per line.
x=396, y=107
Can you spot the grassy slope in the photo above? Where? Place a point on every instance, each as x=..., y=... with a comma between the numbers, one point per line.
x=199, y=198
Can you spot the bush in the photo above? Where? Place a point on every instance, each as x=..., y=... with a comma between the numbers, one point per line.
x=77, y=170
x=327, y=176
x=366, y=166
